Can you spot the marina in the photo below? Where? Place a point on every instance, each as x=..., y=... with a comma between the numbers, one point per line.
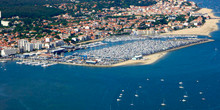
x=112, y=51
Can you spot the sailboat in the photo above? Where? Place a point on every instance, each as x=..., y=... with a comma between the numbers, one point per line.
x=163, y=103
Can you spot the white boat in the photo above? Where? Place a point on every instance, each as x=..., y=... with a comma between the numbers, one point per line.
x=185, y=96
x=44, y=65
x=163, y=104
x=118, y=100
x=183, y=100
x=181, y=87
x=136, y=95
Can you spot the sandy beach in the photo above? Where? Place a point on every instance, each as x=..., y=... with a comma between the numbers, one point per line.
x=206, y=29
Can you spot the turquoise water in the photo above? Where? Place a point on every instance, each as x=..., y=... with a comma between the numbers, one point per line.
x=65, y=87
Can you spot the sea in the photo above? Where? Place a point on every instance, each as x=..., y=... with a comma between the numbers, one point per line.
x=185, y=79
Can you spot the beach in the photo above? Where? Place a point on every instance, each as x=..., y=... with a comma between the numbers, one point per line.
x=209, y=26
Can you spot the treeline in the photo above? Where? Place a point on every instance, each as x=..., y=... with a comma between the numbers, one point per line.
x=121, y=3
x=29, y=8
x=29, y=11
x=35, y=8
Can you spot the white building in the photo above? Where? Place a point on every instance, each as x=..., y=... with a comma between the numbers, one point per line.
x=29, y=47
x=38, y=46
x=48, y=39
x=8, y=51
x=47, y=45
x=5, y=23
x=22, y=43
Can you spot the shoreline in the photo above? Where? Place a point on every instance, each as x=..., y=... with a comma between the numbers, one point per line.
x=206, y=29
x=148, y=59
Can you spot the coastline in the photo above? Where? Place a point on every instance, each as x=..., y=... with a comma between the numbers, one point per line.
x=208, y=27
x=148, y=59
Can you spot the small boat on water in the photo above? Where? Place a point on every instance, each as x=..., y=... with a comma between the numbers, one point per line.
x=118, y=100
x=185, y=96
x=183, y=100
x=181, y=87
x=163, y=103
x=136, y=95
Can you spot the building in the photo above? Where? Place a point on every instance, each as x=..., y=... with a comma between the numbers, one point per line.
x=38, y=46
x=29, y=47
x=0, y=14
x=137, y=57
x=8, y=51
x=48, y=39
x=5, y=23
x=60, y=43
x=22, y=43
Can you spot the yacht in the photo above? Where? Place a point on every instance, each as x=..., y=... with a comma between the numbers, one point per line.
x=183, y=100
x=118, y=100
x=181, y=87
x=163, y=104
